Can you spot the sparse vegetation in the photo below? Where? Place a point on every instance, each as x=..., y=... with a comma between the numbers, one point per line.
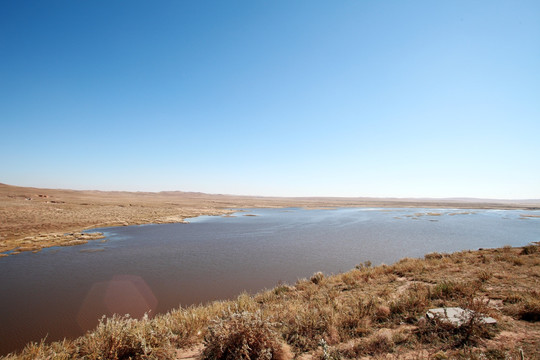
x=529, y=249
x=127, y=338
x=317, y=278
x=376, y=312
x=243, y=336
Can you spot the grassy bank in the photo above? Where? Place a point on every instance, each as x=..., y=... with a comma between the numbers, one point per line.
x=373, y=312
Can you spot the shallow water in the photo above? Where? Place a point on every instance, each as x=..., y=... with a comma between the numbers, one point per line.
x=64, y=291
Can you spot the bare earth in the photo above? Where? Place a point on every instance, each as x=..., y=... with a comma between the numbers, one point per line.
x=33, y=218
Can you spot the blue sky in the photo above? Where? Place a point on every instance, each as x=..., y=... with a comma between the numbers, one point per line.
x=293, y=98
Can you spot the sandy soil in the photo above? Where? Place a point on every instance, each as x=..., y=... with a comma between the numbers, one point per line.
x=33, y=218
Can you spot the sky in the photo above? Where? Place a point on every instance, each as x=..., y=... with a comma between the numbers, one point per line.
x=287, y=98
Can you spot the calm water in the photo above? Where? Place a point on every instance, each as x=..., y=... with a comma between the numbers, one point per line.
x=63, y=291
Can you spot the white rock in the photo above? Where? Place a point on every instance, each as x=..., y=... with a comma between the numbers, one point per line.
x=456, y=316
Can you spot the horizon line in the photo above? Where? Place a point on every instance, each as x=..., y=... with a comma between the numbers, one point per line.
x=424, y=198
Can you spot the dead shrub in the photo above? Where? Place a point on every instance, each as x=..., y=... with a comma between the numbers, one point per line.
x=126, y=338
x=43, y=351
x=242, y=336
x=304, y=326
x=433, y=256
x=356, y=319
x=382, y=312
x=524, y=306
x=364, y=265
x=281, y=289
x=186, y=323
x=408, y=266
x=529, y=249
x=410, y=304
x=517, y=261
x=351, y=279
x=510, y=258
x=485, y=275
x=530, y=310
x=379, y=343
x=447, y=290
x=317, y=278
x=490, y=353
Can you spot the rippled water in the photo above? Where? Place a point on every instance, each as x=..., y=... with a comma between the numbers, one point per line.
x=63, y=291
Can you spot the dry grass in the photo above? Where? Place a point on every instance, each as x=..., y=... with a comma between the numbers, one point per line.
x=243, y=336
x=126, y=338
x=375, y=312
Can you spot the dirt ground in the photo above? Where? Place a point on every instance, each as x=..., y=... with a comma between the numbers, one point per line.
x=33, y=218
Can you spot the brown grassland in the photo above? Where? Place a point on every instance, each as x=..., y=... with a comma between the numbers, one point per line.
x=368, y=312
x=33, y=218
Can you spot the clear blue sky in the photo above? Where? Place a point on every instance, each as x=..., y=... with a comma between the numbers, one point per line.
x=294, y=98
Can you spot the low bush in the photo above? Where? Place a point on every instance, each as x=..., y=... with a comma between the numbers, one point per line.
x=529, y=249
x=433, y=255
x=524, y=306
x=42, y=351
x=304, y=326
x=355, y=319
x=120, y=338
x=376, y=344
x=447, y=290
x=485, y=275
x=242, y=336
x=317, y=278
x=410, y=304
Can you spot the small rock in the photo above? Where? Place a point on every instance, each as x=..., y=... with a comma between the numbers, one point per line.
x=456, y=316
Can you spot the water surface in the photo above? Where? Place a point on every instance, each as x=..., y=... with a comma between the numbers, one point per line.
x=64, y=291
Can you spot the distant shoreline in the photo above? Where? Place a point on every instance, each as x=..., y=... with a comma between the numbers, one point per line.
x=34, y=218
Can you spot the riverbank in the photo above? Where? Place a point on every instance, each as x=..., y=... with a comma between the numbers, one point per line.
x=368, y=312
x=33, y=218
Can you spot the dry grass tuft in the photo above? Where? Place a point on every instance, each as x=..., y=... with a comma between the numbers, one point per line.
x=529, y=249
x=524, y=305
x=447, y=290
x=60, y=350
x=125, y=338
x=242, y=336
x=317, y=278
x=303, y=327
x=411, y=304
